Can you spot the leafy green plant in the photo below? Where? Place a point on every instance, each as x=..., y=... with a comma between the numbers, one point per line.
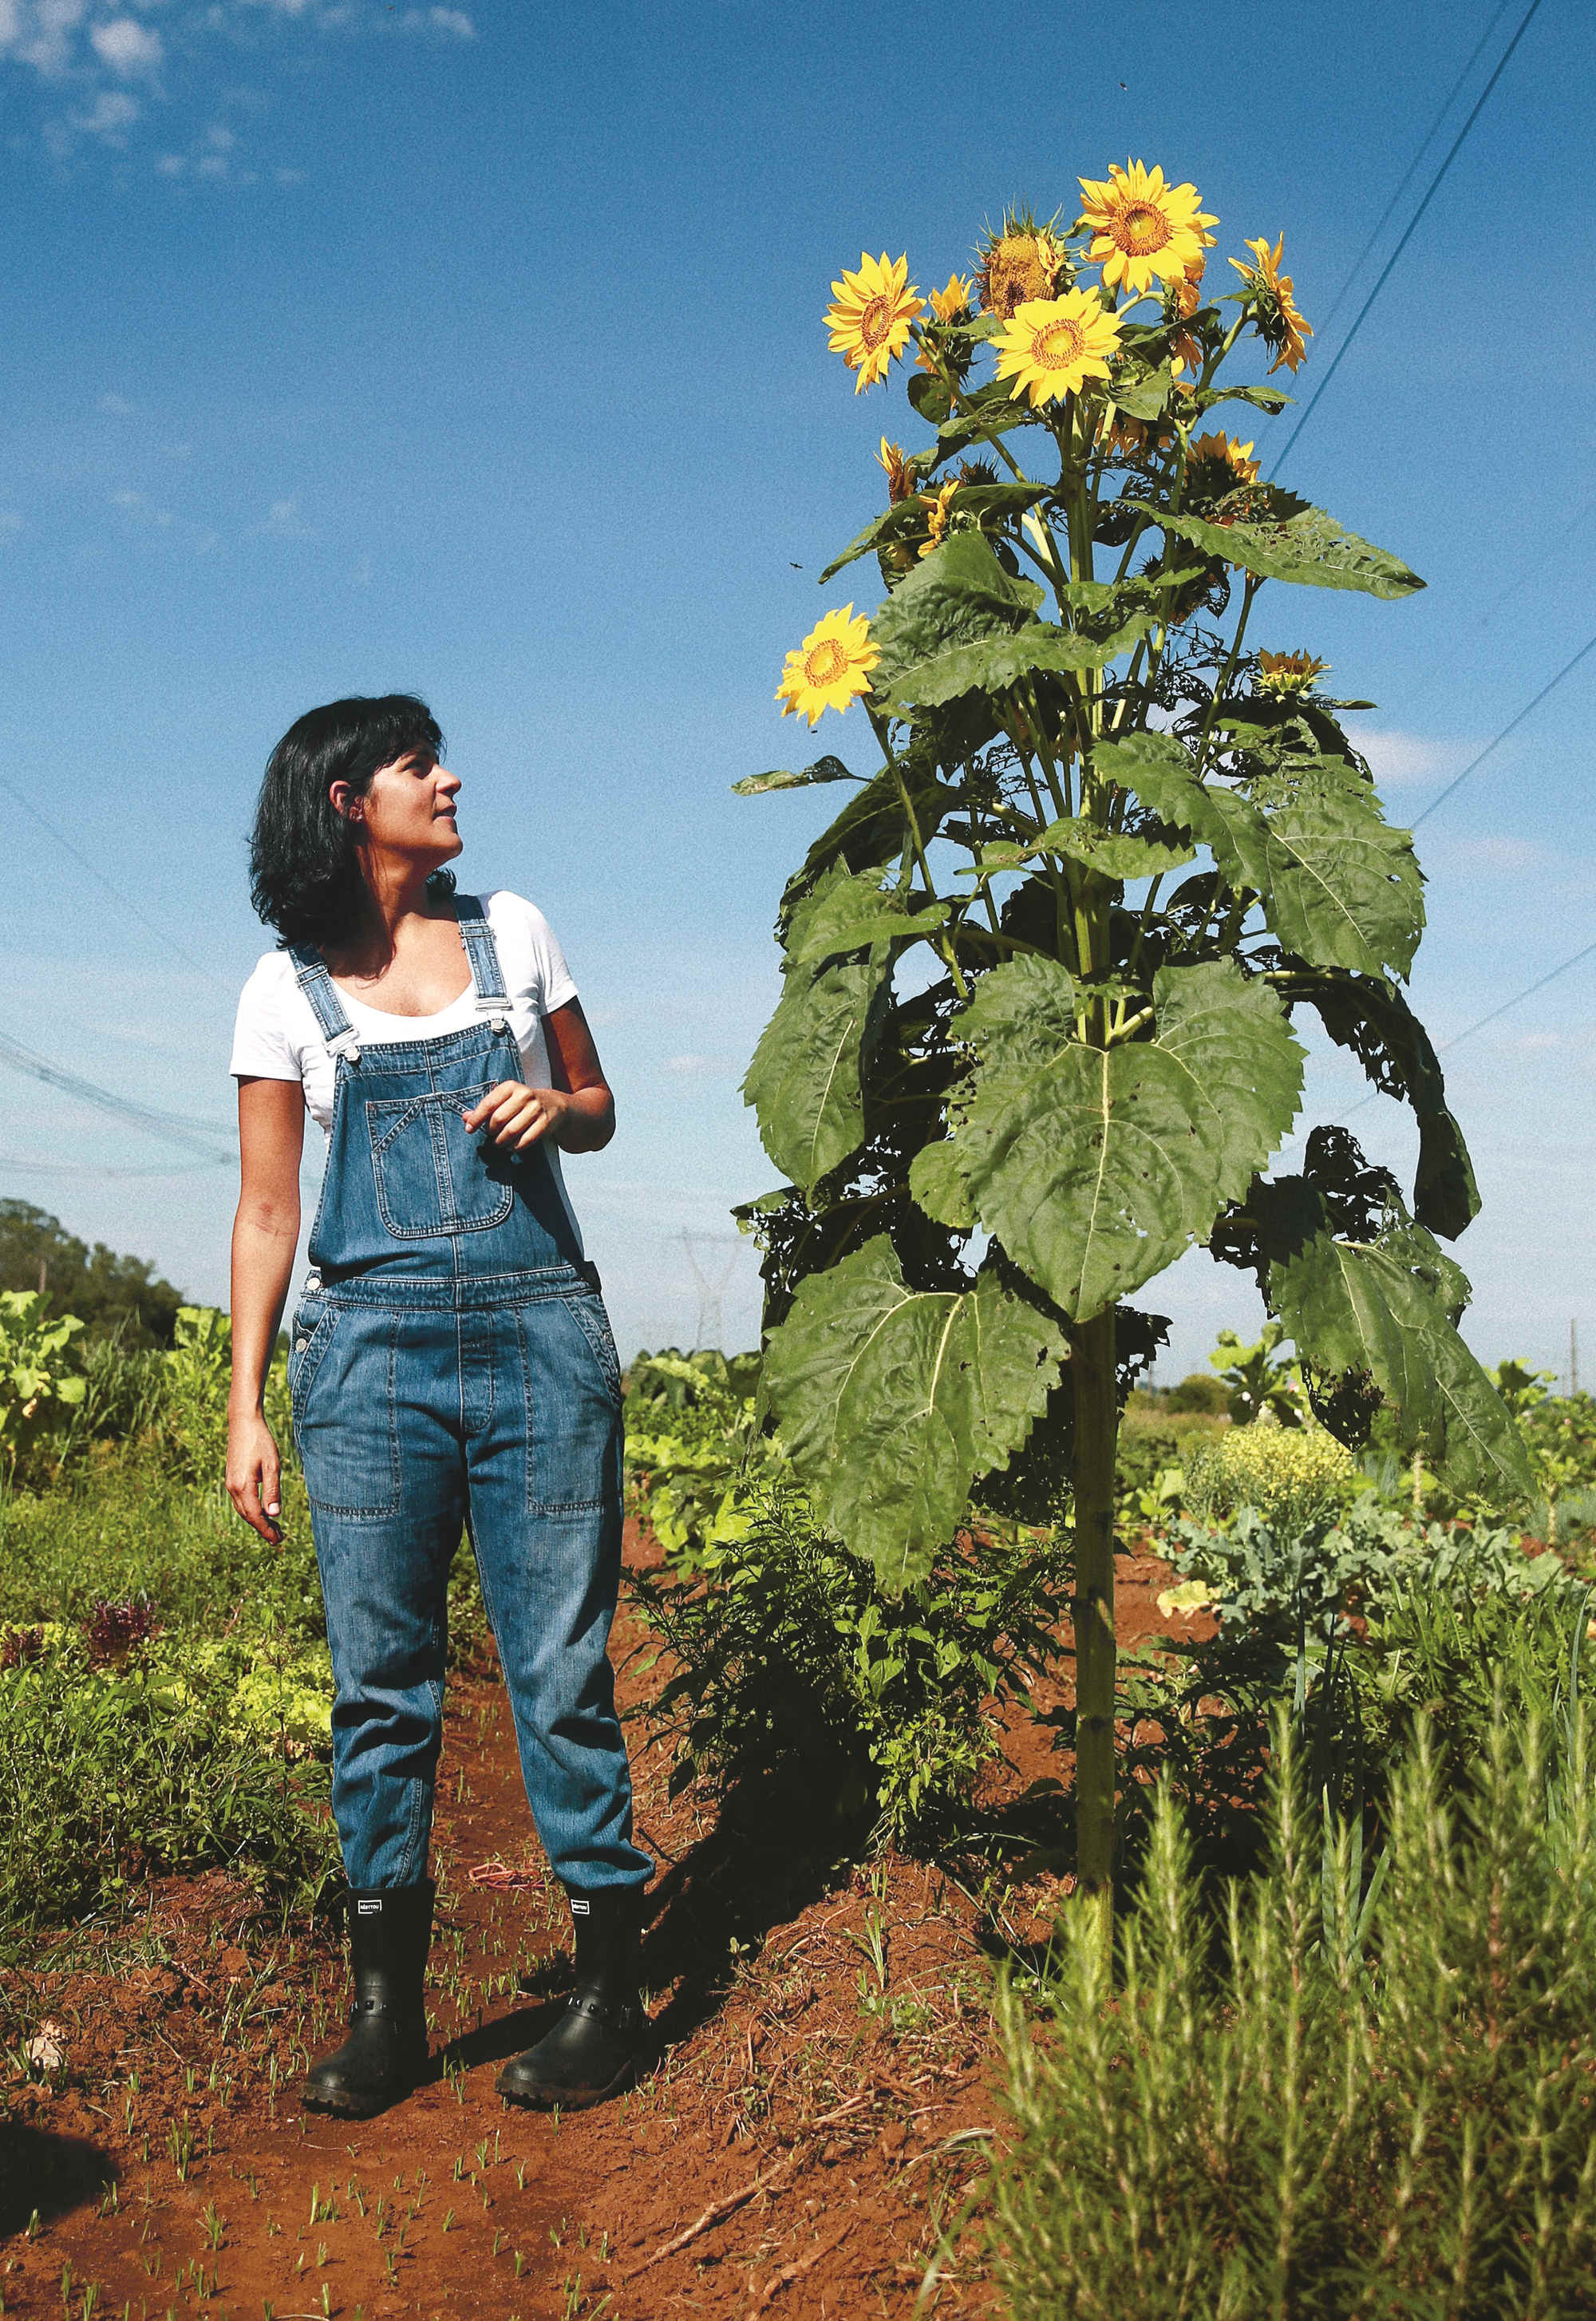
x=1292, y=1476
x=40, y=1384
x=789, y=1661
x=1034, y=1039
x=1357, y=1624
x=105, y=1777
x=1257, y=1381
x=691, y=1436
x=1324, y=2104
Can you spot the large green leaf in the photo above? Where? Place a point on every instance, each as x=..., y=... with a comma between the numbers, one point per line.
x=1339, y=884
x=953, y=597
x=1290, y=540
x=872, y=829
x=1144, y=398
x=1381, y=1307
x=991, y=410
x=987, y=503
x=805, y=1078
x=1096, y=1170
x=892, y=1401
x=1370, y=1015
x=854, y=913
x=824, y=770
x=993, y=664
x=1117, y=853
x=1345, y=888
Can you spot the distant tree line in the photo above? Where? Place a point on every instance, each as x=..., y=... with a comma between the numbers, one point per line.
x=111, y=1294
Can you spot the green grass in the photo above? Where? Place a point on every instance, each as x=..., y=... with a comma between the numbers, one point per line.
x=1330, y=2097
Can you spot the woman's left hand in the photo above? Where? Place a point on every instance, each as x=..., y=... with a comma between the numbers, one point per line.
x=516, y=1116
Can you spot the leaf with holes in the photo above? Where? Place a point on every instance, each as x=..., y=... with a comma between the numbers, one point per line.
x=803, y=1082
x=892, y=1401
x=1383, y=1307
x=1096, y=1170
x=1290, y=540
x=1336, y=883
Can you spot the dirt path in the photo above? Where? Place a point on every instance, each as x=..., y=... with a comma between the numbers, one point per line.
x=820, y=2113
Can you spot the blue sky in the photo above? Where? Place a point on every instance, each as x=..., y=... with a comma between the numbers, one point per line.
x=478, y=350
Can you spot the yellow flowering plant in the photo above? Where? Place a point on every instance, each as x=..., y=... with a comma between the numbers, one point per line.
x=1035, y=1036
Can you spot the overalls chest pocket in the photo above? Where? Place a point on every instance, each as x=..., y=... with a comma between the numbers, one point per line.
x=431, y=1177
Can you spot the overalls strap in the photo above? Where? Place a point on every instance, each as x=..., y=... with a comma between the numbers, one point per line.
x=309, y=970
x=487, y=976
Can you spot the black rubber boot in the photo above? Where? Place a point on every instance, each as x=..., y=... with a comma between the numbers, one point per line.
x=595, y=2050
x=385, y=2053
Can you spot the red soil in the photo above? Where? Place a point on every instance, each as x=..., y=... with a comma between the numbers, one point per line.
x=806, y=2139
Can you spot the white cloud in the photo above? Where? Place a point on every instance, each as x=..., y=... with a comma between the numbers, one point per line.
x=1502, y=853
x=284, y=521
x=451, y=23
x=129, y=48
x=117, y=405
x=11, y=524
x=693, y=1067
x=40, y=32
x=1398, y=758
x=135, y=504
x=111, y=115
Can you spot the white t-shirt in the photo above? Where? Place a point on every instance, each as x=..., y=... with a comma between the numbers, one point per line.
x=277, y=1036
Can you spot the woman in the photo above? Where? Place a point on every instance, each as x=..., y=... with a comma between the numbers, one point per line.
x=450, y=1361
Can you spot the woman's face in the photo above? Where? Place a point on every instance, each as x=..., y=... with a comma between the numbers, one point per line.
x=407, y=809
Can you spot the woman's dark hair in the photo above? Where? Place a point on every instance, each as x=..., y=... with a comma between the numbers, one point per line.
x=305, y=872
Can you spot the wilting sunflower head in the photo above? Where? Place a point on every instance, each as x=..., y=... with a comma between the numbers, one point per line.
x=1144, y=231
x=830, y=668
x=899, y=470
x=870, y=316
x=1216, y=464
x=952, y=303
x=1187, y=292
x=938, y=504
x=1052, y=346
x=1282, y=674
x=1024, y=260
x=1275, y=315
x=1119, y=438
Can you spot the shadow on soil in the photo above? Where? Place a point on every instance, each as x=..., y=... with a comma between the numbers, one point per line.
x=53, y=2174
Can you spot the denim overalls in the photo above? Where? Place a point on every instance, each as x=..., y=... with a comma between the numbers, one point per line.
x=452, y=1363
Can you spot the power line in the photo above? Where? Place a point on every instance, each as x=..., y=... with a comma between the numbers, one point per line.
x=1528, y=992
x=1385, y=271
x=1407, y=175
x=1458, y=1038
x=200, y=1136
x=1512, y=726
x=99, y=876
x=17, y=1167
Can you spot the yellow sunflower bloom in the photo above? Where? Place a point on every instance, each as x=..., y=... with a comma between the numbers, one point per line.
x=1234, y=459
x=1052, y=346
x=1287, y=673
x=949, y=304
x=937, y=504
x=869, y=321
x=830, y=668
x=1144, y=231
x=898, y=469
x=1023, y=261
x=1280, y=325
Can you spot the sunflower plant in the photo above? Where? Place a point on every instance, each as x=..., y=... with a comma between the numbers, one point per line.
x=1035, y=1037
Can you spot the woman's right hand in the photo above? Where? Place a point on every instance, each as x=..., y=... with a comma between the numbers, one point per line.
x=255, y=1474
